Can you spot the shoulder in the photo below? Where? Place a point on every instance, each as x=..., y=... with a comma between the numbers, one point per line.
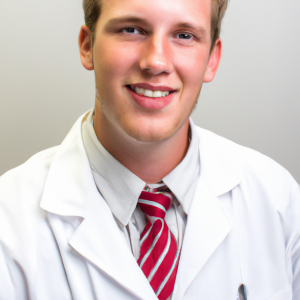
x=25, y=235
x=21, y=188
x=257, y=172
x=33, y=172
x=247, y=159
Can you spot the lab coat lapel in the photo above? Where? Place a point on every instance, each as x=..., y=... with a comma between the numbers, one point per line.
x=207, y=222
x=100, y=241
x=207, y=226
x=70, y=190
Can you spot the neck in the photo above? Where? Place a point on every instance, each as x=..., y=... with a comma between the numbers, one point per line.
x=149, y=161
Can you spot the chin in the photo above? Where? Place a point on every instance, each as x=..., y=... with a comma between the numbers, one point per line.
x=149, y=137
x=151, y=133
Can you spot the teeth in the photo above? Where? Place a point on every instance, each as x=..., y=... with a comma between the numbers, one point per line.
x=149, y=93
x=157, y=94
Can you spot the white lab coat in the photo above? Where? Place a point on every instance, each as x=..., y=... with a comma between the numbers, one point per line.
x=59, y=240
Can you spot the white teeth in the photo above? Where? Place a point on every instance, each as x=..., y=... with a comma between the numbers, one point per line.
x=157, y=94
x=149, y=93
x=137, y=90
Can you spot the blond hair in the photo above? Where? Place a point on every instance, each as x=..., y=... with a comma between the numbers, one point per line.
x=92, y=10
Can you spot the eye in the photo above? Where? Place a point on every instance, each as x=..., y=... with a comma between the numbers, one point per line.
x=184, y=36
x=131, y=30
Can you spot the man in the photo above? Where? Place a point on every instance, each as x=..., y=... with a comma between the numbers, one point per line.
x=137, y=202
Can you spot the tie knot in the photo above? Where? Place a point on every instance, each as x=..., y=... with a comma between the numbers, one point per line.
x=155, y=204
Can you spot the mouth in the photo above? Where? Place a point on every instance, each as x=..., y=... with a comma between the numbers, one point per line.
x=149, y=93
x=154, y=99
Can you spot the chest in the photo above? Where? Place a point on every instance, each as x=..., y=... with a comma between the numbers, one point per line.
x=226, y=243
x=247, y=254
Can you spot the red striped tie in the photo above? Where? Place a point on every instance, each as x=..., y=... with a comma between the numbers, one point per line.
x=159, y=249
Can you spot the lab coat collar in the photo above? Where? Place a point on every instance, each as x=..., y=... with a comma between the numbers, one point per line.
x=70, y=182
x=70, y=190
x=220, y=162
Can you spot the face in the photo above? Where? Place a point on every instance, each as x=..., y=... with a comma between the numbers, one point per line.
x=150, y=59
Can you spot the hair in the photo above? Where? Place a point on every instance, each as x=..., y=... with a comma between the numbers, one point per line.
x=218, y=9
x=92, y=10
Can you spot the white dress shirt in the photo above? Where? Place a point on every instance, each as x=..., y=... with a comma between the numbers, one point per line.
x=121, y=188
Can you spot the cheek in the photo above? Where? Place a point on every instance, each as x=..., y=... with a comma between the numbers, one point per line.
x=112, y=61
x=112, y=65
x=191, y=66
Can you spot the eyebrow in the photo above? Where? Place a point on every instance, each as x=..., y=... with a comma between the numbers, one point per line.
x=135, y=19
x=191, y=26
x=125, y=19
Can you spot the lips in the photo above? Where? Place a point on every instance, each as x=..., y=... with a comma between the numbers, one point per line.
x=153, y=99
x=149, y=92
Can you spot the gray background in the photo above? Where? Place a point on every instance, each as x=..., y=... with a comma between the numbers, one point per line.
x=254, y=99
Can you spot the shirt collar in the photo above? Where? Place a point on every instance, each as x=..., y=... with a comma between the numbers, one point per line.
x=182, y=180
x=121, y=188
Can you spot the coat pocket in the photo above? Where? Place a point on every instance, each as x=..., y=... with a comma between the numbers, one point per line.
x=286, y=293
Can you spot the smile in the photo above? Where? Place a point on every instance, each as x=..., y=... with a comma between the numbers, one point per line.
x=149, y=93
x=149, y=99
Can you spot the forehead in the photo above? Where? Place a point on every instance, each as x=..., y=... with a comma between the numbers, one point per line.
x=197, y=12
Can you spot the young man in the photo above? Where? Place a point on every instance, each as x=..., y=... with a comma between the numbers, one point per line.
x=137, y=202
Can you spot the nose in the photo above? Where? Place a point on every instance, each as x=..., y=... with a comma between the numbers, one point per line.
x=156, y=55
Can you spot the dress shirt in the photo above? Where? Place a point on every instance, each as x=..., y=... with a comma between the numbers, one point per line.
x=121, y=188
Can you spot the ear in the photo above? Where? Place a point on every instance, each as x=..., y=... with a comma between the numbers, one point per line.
x=213, y=62
x=85, y=48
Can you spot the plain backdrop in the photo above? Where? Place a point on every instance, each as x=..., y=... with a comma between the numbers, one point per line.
x=254, y=99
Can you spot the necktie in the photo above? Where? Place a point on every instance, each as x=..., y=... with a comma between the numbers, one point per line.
x=159, y=249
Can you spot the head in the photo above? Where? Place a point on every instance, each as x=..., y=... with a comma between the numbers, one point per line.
x=159, y=45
